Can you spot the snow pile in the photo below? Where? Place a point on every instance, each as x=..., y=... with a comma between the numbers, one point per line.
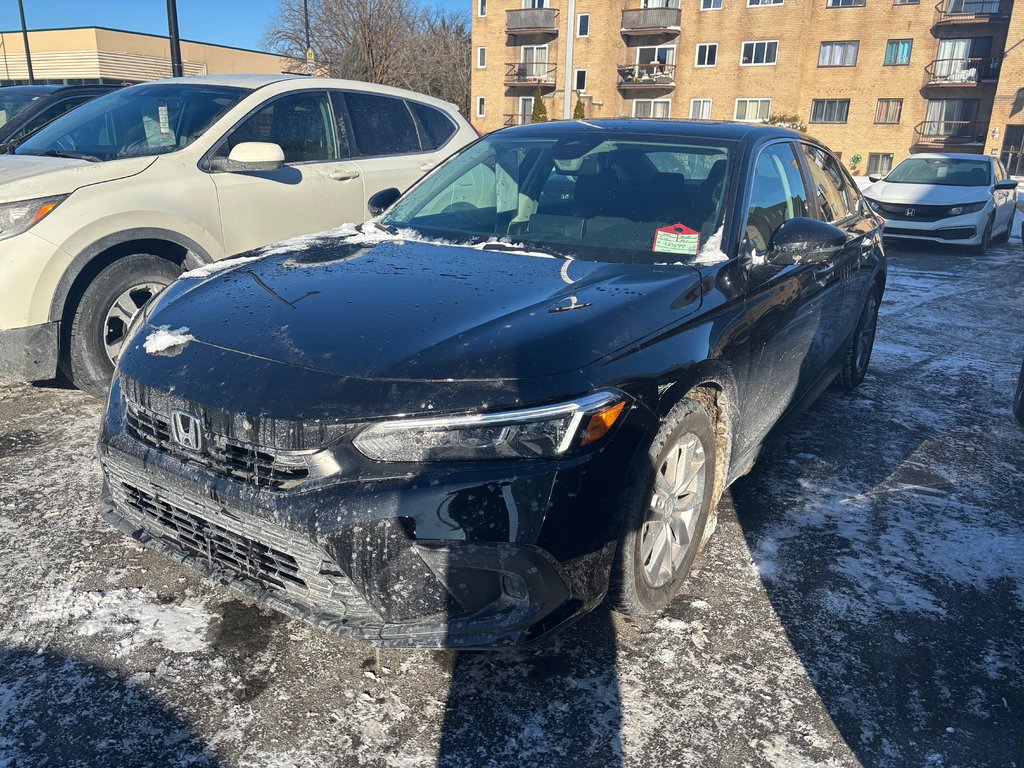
x=712, y=252
x=164, y=341
x=213, y=268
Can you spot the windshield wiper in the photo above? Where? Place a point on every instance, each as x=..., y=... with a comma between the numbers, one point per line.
x=64, y=153
x=385, y=228
x=520, y=248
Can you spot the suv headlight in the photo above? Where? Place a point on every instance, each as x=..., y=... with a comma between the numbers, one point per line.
x=531, y=433
x=957, y=210
x=21, y=216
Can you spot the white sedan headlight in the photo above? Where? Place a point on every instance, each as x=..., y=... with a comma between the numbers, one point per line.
x=957, y=210
x=531, y=433
x=21, y=216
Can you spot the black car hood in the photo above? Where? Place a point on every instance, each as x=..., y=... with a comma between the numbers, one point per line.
x=404, y=310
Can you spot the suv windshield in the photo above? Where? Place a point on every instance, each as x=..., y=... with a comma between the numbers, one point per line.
x=137, y=121
x=943, y=171
x=12, y=103
x=578, y=194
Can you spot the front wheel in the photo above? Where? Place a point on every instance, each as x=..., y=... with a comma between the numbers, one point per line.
x=1018, y=398
x=1005, y=236
x=97, y=328
x=858, y=353
x=986, y=239
x=667, y=509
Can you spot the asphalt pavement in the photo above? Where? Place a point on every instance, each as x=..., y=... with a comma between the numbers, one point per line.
x=862, y=602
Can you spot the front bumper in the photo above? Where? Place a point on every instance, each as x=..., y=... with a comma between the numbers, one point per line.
x=28, y=354
x=465, y=557
x=967, y=229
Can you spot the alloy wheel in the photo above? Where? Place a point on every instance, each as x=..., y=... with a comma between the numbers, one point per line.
x=669, y=526
x=866, y=338
x=120, y=314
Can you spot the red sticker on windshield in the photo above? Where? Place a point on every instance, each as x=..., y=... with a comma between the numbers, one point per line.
x=676, y=238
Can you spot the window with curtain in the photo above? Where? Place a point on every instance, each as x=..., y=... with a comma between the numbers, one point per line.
x=839, y=53
x=888, y=111
x=897, y=52
x=753, y=110
x=879, y=163
x=651, y=108
x=830, y=110
x=700, y=109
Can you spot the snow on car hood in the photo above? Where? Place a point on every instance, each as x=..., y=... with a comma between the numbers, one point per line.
x=925, y=194
x=23, y=177
x=410, y=310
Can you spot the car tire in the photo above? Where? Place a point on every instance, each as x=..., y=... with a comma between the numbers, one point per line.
x=1005, y=237
x=1018, y=397
x=96, y=325
x=667, y=506
x=858, y=352
x=986, y=239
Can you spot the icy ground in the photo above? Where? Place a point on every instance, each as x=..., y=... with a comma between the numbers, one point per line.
x=861, y=603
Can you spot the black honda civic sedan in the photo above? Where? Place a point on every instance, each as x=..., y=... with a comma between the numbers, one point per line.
x=518, y=392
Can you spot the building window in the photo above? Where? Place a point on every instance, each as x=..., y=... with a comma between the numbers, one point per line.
x=759, y=53
x=480, y=104
x=481, y=57
x=535, y=3
x=906, y=2
x=481, y=7
x=663, y=55
x=707, y=54
x=525, y=116
x=651, y=108
x=879, y=163
x=700, y=109
x=841, y=53
x=711, y=5
x=753, y=3
x=829, y=110
x=897, y=52
x=659, y=3
x=888, y=111
x=579, y=80
x=583, y=25
x=844, y=3
x=753, y=110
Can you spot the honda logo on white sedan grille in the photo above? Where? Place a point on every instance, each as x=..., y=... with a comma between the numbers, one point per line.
x=185, y=430
x=910, y=212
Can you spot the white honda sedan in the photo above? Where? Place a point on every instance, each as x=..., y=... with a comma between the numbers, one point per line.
x=957, y=199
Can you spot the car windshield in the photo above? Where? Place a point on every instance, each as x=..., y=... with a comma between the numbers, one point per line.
x=12, y=103
x=636, y=199
x=137, y=121
x=942, y=171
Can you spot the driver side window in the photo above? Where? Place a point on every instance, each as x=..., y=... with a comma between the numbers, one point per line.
x=777, y=194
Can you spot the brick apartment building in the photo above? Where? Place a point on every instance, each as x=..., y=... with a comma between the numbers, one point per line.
x=874, y=79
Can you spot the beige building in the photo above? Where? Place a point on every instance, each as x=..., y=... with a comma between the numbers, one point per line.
x=100, y=55
x=874, y=79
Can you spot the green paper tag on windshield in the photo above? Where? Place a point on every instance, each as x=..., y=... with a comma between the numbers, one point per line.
x=678, y=239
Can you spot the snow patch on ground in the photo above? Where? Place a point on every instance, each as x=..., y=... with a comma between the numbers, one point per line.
x=163, y=339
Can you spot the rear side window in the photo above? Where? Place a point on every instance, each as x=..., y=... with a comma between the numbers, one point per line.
x=381, y=125
x=835, y=198
x=436, y=126
x=299, y=123
x=777, y=194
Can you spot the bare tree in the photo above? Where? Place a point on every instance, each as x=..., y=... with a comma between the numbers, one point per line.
x=391, y=42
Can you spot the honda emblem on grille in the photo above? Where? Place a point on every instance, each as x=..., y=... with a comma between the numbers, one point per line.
x=910, y=212
x=185, y=430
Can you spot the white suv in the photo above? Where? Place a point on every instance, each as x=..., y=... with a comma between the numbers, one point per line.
x=110, y=203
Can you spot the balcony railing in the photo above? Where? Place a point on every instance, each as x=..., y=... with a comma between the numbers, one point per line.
x=954, y=11
x=531, y=21
x=530, y=73
x=961, y=71
x=652, y=75
x=524, y=118
x=947, y=133
x=650, y=21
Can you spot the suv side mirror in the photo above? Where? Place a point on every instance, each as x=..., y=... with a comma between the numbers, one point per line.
x=1006, y=184
x=250, y=156
x=805, y=241
x=382, y=200
x=873, y=177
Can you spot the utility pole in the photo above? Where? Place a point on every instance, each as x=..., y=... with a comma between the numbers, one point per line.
x=172, y=32
x=310, y=56
x=28, y=53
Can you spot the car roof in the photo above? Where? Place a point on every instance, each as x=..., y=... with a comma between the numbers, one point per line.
x=705, y=129
x=951, y=156
x=29, y=88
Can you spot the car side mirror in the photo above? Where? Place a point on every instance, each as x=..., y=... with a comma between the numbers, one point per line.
x=805, y=241
x=873, y=177
x=1006, y=184
x=381, y=201
x=250, y=156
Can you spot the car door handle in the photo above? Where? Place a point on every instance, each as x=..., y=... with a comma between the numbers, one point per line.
x=427, y=167
x=344, y=174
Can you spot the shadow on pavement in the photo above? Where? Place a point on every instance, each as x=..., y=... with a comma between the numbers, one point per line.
x=57, y=710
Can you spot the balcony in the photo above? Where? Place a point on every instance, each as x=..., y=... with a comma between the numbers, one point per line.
x=531, y=21
x=651, y=75
x=948, y=133
x=972, y=11
x=961, y=72
x=650, y=21
x=530, y=74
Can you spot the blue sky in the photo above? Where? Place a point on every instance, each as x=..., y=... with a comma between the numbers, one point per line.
x=227, y=22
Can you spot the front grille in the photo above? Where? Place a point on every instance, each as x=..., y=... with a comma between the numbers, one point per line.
x=958, y=233
x=223, y=455
x=270, y=567
x=921, y=212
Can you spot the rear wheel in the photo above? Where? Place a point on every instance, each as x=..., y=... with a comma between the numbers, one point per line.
x=667, y=510
x=97, y=327
x=858, y=353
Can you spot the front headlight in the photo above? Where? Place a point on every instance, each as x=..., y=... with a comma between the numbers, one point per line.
x=874, y=205
x=531, y=433
x=957, y=210
x=21, y=216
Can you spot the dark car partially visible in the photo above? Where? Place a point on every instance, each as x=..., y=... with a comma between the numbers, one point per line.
x=519, y=392
x=24, y=109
